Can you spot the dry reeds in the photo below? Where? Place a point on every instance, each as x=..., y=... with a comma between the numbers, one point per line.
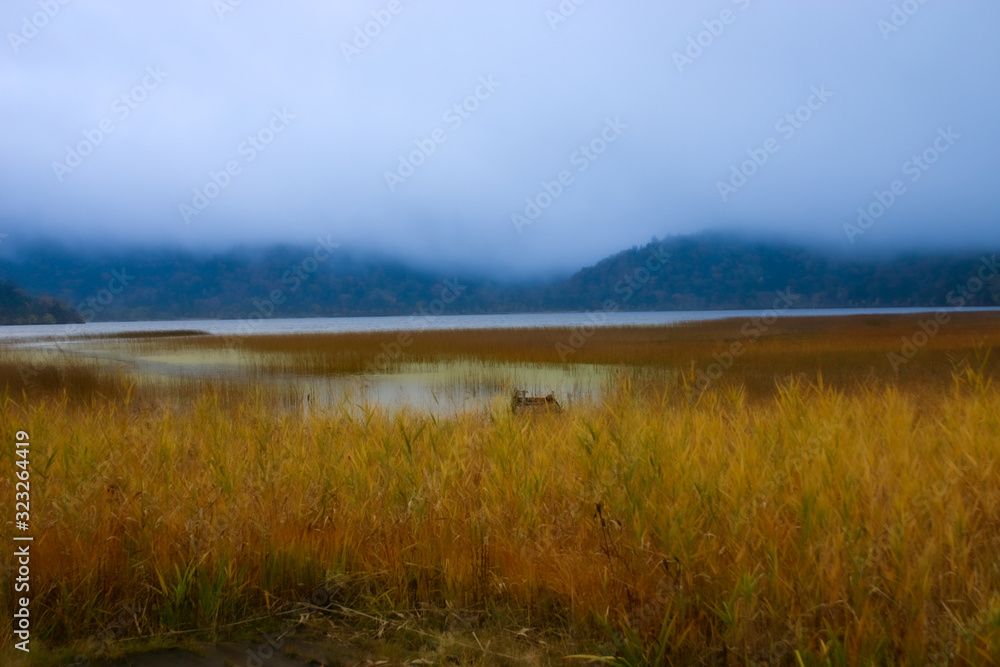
x=809, y=523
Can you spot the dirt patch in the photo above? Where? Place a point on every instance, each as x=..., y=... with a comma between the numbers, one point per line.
x=244, y=654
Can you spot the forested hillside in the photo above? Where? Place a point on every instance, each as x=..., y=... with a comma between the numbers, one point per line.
x=698, y=272
x=19, y=307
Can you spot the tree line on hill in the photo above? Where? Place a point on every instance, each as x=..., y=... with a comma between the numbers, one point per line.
x=19, y=307
x=706, y=271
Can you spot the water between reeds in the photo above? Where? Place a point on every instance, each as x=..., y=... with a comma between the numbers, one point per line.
x=443, y=387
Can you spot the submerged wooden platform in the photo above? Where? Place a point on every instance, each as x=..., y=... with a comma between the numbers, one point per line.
x=520, y=401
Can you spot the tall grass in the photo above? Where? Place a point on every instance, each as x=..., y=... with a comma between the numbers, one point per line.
x=801, y=522
x=844, y=528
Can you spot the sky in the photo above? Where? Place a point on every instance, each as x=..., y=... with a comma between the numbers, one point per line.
x=514, y=136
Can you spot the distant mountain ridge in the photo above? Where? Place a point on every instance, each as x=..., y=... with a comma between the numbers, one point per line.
x=706, y=271
x=19, y=307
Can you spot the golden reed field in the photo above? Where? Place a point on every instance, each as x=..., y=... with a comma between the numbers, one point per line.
x=819, y=502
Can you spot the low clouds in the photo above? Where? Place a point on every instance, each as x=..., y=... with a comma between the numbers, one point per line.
x=117, y=115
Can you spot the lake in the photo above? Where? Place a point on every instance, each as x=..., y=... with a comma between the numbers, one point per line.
x=427, y=322
x=439, y=388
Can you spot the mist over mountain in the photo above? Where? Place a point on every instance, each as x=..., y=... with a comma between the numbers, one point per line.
x=19, y=307
x=704, y=271
x=494, y=136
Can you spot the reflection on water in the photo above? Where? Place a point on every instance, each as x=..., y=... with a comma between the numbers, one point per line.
x=441, y=387
x=458, y=386
x=445, y=387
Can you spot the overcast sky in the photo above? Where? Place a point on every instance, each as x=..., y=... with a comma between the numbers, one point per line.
x=579, y=129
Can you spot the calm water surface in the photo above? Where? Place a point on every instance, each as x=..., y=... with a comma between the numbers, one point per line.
x=421, y=322
x=440, y=388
